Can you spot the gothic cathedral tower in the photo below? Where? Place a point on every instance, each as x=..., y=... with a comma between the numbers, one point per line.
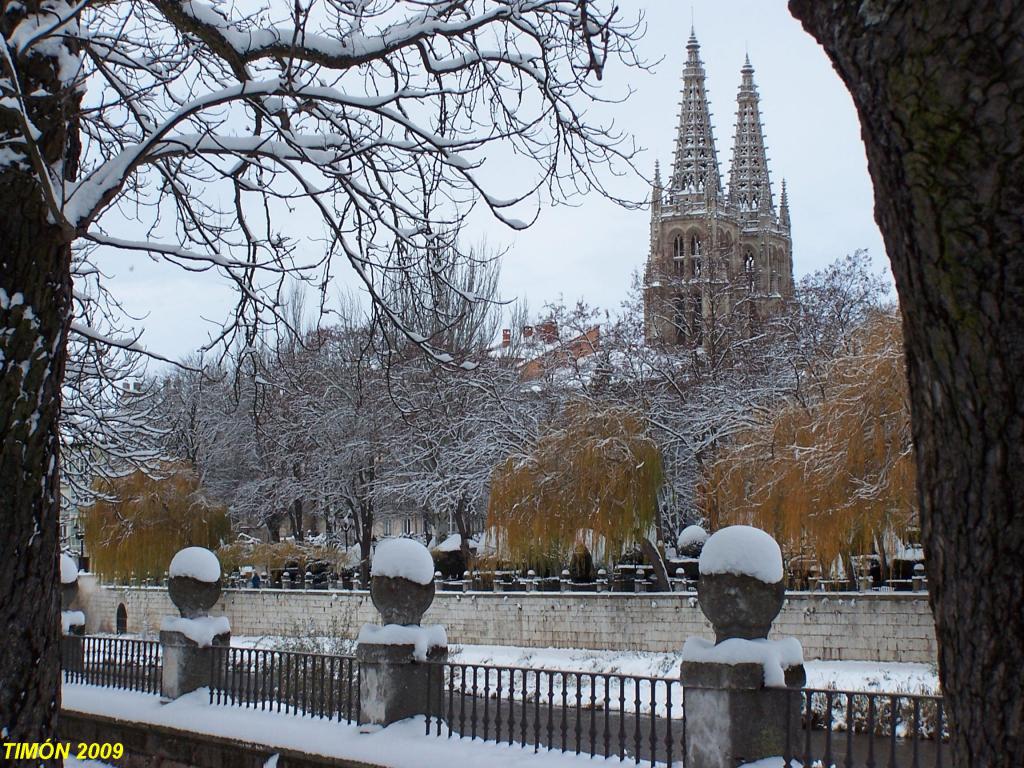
x=716, y=259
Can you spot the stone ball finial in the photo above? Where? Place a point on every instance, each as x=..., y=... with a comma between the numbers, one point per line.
x=195, y=582
x=741, y=588
x=68, y=581
x=402, y=580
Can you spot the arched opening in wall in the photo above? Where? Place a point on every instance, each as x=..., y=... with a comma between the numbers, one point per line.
x=749, y=270
x=695, y=254
x=678, y=254
x=122, y=619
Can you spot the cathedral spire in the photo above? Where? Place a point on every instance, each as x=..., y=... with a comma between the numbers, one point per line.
x=784, y=207
x=695, y=164
x=749, y=187
x=655, y=214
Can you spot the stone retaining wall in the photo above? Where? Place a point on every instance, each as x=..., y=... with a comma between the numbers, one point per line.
x=868, y=626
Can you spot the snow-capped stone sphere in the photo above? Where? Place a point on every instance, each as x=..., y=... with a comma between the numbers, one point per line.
x=691, y=536
x=742, y=550
x=197, y=563
x=68, y=570
x=403, y=559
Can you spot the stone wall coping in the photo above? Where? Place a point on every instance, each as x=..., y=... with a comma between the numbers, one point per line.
x=555, y=596
x=106, y=728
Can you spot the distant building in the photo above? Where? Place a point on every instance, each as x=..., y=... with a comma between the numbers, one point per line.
x=715, y=253
x=542, y=350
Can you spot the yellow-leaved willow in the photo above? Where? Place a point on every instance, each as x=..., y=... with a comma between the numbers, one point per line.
x=593, y=479
x=833, y=477
x=145, y=519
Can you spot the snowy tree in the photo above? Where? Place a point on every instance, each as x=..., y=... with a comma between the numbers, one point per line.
x=834, y=475
x=219, y=127
x=593, y=473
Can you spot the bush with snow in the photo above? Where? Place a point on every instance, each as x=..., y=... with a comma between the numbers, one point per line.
x=744, y=551
x=195, y=562
x=403, y=559
x=68, y=570
x=690, y=541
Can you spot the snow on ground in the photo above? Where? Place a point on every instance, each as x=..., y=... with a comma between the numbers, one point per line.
x=402, y=745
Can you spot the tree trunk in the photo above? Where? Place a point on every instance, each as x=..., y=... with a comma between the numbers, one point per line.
x=35, y=312
x=462, y=523
x=273, y=524
x=35, y=291
x=653, y=556
x=940, y=92
x=297, y=519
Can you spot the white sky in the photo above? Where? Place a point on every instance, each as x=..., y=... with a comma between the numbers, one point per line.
x=590, y=251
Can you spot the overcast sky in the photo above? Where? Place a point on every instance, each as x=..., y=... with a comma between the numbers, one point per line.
x=590, y=251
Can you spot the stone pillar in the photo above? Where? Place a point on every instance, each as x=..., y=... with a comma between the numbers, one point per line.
x=917, y=582
x=72, y=621
x=400, y=670
x=190, y=642
x=740, y=712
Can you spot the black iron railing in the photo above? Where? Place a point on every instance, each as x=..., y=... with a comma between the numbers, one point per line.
x=112, y=662
x=633, y=718
x=313, y=684
x=641, y=719
x=856, y=728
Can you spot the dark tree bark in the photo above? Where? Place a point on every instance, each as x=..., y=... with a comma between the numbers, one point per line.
x=297, y=518
x=461, y=519
x=35, y=290
x=35, y=306
x=940, y=91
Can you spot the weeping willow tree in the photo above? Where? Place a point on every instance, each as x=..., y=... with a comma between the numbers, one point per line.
x=836, y=478
x=143, y=520
x=594, y=480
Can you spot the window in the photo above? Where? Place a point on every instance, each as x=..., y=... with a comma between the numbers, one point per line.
x=407, y=525
x=695, y=254
x=386, y=527
x=748, y=269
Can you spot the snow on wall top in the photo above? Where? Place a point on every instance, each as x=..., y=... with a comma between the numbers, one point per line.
x=744, y=551
x=201, y=630
x=690, y=535
x=197, y=562
x=775, y=656
x=68, y=570
x=421, y=638
x=403, y=558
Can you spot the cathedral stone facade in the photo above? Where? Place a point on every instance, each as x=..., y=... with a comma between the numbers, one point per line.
x=718, y=258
